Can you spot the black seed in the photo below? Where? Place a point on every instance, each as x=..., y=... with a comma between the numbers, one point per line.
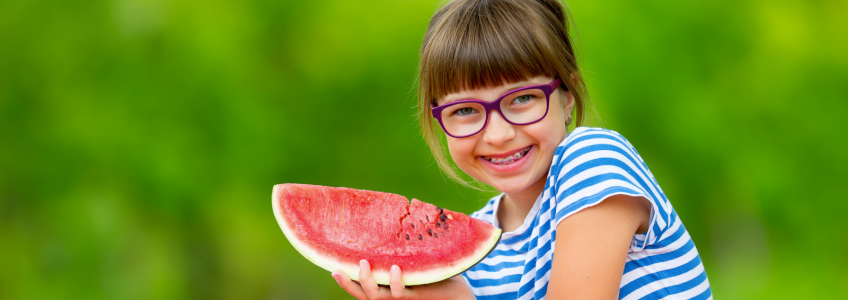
x=437, y=235
x=439, y=208
x=428, y=218
x=443, y=233
x=407, y=237
x=429, y=232
x=420, y=237
x=438, y=224
x=413, y=225
x=446, y=226
x=443, y=217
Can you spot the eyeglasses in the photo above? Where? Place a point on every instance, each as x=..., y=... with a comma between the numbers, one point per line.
x=526, y=105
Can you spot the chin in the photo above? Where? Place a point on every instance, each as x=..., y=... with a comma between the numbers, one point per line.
x=511, y=187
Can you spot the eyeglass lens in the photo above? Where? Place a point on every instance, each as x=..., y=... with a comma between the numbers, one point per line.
x=520, y=107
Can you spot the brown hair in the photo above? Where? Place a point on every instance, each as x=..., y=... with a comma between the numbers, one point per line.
x=472, y=44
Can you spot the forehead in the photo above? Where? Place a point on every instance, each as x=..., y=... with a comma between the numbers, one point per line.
x=492, y=93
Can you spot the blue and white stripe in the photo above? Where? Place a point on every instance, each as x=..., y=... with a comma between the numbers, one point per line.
x=590, y=165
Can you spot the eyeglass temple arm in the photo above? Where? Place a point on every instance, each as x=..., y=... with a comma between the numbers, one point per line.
x=556, y=83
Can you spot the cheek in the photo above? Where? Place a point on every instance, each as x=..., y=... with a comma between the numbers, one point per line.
x=555, y=124
x=548, y=134
x=461, y=150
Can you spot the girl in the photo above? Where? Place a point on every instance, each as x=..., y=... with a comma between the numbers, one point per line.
x=500, y=79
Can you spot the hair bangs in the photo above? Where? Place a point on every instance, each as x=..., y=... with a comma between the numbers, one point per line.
x=485, y=47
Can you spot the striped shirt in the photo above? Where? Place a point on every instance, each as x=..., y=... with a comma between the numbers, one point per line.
x=590, y=165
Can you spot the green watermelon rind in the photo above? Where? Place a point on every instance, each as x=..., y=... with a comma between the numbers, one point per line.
x=380, y=276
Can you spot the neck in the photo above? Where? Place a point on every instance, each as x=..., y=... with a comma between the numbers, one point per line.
x=515, y=207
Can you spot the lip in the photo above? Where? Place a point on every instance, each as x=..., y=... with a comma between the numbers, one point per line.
x=507, y=154
x=516, y=165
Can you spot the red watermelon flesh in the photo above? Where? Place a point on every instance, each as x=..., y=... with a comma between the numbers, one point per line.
x=335, y=227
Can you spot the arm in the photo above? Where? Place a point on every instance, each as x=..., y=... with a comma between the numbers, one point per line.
x=591, y=248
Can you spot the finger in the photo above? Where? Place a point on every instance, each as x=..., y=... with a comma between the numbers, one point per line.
x=366, y=281
x=395, y=282
x=349, y=286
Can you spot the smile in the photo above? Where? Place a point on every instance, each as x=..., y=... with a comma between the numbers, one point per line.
x=509, y=159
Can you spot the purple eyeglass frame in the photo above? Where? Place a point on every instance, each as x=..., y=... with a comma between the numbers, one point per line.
x=548, y=89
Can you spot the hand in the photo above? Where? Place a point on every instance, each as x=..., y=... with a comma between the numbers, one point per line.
x=453, y=288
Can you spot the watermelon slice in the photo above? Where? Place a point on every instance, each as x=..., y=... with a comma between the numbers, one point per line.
x=336, y=227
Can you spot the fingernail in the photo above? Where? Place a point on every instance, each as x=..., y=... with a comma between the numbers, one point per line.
x=336, y=276
x=362, y=263
x=395, y=268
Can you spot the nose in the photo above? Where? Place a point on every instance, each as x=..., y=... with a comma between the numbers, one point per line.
x=498, y=131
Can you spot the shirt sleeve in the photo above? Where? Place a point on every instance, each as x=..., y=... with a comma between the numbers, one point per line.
x=593, y=164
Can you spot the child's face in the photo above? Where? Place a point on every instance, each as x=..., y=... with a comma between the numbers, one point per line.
x=500, y=139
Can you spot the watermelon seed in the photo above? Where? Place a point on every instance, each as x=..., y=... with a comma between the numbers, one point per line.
x=413, y=225
x=428, y=218
x=438, y=224
x=443, y=233
x=443, y=217
x=450, y=217
x=407, y=237
x=420, y=237
x=429, y=232
x=437, y=235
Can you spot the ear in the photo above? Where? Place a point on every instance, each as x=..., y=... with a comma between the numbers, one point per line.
x=567, y=101
x=568, y=98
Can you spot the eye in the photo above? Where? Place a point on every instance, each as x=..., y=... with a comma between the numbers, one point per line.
x=464, y=111
x=522, y=99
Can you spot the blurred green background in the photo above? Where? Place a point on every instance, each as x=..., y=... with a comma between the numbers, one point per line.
x=140, y=139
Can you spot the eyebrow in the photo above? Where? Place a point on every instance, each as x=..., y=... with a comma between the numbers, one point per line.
x=506, y=89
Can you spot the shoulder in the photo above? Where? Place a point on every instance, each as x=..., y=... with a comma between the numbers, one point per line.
x=487, y=212
x=589, y=147
x=588, y=138
x=592, y=164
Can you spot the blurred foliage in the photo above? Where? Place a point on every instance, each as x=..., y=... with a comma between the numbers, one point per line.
x=140, y=139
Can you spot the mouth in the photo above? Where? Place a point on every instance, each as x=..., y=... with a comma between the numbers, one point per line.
x=508, y=159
